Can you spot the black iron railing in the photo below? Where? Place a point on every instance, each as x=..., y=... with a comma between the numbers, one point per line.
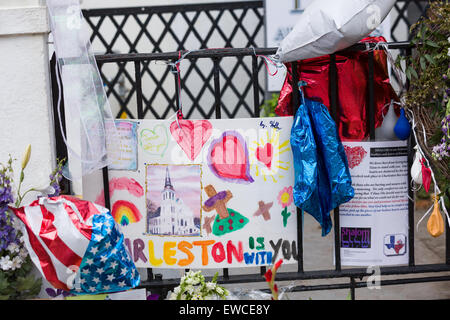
x=155, y=282
x=156, y=29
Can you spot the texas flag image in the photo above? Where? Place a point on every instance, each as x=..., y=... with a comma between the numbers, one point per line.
x=394, y=245
x=77, y=246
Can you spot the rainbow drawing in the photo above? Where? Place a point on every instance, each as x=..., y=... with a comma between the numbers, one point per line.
x=124, y=212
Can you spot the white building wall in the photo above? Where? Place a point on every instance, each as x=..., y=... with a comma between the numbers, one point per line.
x=25, y=105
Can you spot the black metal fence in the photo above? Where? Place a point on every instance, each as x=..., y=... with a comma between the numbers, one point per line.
x=238, y=24
x=155, y=282
x=214, y=82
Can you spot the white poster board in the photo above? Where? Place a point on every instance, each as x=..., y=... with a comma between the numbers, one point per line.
x=374, y=224
x=206, y=193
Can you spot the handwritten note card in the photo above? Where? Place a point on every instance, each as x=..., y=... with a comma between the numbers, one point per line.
x=126, y=157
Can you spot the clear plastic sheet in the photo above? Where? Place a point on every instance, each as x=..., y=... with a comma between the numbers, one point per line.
x=86, y=104
x=258, y=294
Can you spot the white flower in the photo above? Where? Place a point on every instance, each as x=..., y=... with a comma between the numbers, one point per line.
x=13, y=247
x=176, y=290
x=16, y=263
x=45, y=191
x=17, y=224
x=189, y=289
x=23, y=252
x=448, y=53
x=173, y=296
x=197, y=296
x=5, y=263
x=219, y=290
x=211, y=285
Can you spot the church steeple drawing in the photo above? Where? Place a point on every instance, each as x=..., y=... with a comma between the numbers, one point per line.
x=168, y=183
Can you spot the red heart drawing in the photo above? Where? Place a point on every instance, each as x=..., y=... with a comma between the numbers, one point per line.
x=191, y=136
x=228, y=158
x=355, y=155
x=265, y=154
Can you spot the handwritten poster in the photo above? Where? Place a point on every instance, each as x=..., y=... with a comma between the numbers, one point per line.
x=207, y=193
x=126, y=157
x=374, y=224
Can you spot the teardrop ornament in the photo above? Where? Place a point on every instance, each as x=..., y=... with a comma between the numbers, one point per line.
x=402, y=128
x=435, y=225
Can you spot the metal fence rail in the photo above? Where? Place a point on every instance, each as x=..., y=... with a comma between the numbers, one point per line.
x=238, y=24
x=228, y=24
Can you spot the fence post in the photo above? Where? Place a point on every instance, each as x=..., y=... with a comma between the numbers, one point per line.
x=24, y=89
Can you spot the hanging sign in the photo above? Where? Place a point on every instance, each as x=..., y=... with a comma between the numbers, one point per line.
x=374, y=224
x=206, y=193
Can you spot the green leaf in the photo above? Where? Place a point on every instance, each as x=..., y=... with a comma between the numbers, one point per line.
x=214, y=279
x=423, y=63
x=3, y=282
x=429, y=58
x=408, y=73
x=414, y=73
x=26, y=283
x=349, y=296
x=432, y=44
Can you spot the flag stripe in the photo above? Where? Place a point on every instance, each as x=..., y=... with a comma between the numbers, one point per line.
x=86, y=208
x=82, y=228
x=49, y=236
x=46, y=264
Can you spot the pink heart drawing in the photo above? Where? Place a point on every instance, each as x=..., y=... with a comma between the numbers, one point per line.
x=355, y=155
x=228, y=158
x=191, y=136
x=265, y=155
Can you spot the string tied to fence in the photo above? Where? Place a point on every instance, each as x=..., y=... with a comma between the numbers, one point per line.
x=270, y=60
x=175, y=68
x=436, y=187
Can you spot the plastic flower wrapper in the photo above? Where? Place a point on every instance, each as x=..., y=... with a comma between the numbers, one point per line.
x=194, y=287
x=276, y=293
x=85, y=100
x=258, y=294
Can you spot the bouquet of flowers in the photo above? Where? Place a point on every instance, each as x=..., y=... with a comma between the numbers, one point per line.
x=16, y=281
x=194, y=287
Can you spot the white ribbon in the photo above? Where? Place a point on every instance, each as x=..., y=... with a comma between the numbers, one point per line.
x=436, y=187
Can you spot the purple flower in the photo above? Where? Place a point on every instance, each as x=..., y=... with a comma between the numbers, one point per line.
x=57, y=189
x=153, y=296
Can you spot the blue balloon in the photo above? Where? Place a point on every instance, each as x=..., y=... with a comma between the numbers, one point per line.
x=322, y=176
x=402, y=128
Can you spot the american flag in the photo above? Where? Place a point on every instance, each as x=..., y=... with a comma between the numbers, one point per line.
x=77, y=246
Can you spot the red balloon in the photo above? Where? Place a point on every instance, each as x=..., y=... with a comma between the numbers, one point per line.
x=426, y=176
x=353, y=89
